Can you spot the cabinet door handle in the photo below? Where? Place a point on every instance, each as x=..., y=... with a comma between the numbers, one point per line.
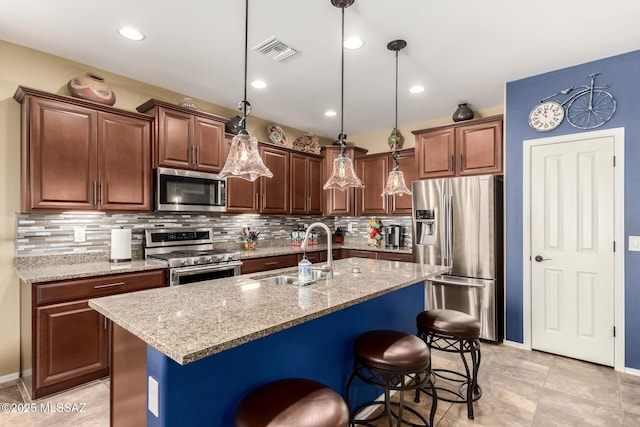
x=309, y=204
x=263, y=196
x=451, y=163
x=105, y=322
x=257, y=200
x=197, y=155
x=193, y=155
x=100, y=193
x=94, y=196
x=461, y=162
x=108, y=285
x=272, y=263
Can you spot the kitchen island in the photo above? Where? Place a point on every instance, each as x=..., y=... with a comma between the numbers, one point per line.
x=208, y=344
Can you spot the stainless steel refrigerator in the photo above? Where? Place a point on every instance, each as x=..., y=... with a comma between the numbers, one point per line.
x=458, y=222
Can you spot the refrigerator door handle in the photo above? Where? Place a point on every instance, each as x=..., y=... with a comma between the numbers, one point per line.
x=444, y=232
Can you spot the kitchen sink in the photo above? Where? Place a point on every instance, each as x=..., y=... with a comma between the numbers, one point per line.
x=291, y=278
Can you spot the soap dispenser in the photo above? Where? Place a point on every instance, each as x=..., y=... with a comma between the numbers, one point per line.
x=304, y=269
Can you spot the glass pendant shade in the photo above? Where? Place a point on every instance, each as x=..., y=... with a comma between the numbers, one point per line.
x=395, y=184
x=343, y=175
x=244, y=159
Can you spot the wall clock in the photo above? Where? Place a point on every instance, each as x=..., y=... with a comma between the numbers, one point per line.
x=546, y=116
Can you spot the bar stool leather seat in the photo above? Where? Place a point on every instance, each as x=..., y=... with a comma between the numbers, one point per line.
x=392, y=361
x=292, y=402
x=453, y=331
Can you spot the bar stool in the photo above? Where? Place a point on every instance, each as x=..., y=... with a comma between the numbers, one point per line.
x=392, y=361
x=453, y=332
x=292, y=402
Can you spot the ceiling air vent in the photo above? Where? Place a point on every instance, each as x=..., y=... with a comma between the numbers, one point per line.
x=277, y=50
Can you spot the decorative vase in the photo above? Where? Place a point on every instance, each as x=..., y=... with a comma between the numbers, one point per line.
x=463, y=112
x=188, y=103
x=91, y=87
x=250, y=245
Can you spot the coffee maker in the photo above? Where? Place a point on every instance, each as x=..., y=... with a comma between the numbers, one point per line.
x=393, y=236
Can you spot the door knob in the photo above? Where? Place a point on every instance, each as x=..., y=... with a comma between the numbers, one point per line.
x=539, y=258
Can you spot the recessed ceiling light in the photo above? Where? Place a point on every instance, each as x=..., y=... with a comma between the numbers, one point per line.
x=416, y=89
x=353, y=43
x=131, y=33
x=259, y=84
x=330, y=113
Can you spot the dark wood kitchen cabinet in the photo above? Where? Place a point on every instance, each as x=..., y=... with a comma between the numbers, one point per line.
x=79, y=155
x=338, y=202
x=274, y=191
x=402, y=205
x=255, y=265
x=186, y=138
x=472, y=147
x=374, y=170
x=306, y=184
x=265, y=195
x=64, y=342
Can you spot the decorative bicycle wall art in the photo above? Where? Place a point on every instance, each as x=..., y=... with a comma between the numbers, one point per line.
x=589, y=107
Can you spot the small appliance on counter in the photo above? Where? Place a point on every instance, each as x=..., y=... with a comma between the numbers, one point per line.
x=393, y=236
x=120, y=245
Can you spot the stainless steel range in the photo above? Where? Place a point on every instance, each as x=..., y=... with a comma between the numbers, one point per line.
x=190, y=255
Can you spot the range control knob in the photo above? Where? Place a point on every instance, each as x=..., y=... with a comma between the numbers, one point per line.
x=184, y=262
x=209, y=260
x=196, y=261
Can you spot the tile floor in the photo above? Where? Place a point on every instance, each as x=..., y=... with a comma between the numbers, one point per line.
x=520, y=388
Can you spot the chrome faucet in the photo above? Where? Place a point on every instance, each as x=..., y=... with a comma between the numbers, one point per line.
x=328, y=267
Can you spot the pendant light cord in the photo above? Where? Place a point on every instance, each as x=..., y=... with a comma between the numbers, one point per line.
x=341, y=136
x=395, y=153
x=244, y=102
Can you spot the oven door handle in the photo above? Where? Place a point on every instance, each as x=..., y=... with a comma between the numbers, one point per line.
x=193, y=269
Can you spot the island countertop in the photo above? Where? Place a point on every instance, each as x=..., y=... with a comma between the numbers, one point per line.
x=190, y=322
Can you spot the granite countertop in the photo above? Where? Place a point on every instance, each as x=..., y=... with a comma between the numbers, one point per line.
x=63, y=267
x=191, y=322
x=48, y=273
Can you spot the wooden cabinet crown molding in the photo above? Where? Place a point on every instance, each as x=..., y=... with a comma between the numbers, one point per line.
x=22, y=92
x=152, y=103
x=459, y=124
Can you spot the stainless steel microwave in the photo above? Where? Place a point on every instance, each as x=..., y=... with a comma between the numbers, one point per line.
x=178, y=190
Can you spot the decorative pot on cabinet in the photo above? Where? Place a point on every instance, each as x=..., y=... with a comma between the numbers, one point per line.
x=462, y=113
x=91, y=87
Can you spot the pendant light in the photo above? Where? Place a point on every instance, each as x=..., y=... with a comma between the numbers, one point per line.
x=395, y=182
x=244, y=159
x=343, y=175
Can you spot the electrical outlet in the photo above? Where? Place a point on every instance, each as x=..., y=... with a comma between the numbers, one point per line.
x=350, y=227
x=152, y=393
x=79, y=234
x=634, y=243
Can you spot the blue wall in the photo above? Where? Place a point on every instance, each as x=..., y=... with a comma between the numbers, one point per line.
x=622, y=74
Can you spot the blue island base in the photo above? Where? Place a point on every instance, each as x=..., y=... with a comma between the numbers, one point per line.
x=207, y=392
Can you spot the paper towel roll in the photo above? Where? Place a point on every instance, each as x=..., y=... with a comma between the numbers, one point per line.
x=120, y=245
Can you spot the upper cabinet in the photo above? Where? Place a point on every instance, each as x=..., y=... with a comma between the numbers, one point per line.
x=305, y=184
x=80, y=155
x=338, y=202
x=472, y=147
x=186, y=138
x=374, y=170
x=264, y=195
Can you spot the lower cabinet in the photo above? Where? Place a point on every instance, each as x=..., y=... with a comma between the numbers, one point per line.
x=72, y=345
x=387, y=256
x=64, y=342
x=255, y=265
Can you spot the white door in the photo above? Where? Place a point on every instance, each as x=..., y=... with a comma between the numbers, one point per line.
x=572, y=238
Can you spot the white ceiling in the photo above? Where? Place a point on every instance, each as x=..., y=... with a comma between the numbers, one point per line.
x=461, y=51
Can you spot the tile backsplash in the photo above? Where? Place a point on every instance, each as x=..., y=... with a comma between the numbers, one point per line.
x=53, y=234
